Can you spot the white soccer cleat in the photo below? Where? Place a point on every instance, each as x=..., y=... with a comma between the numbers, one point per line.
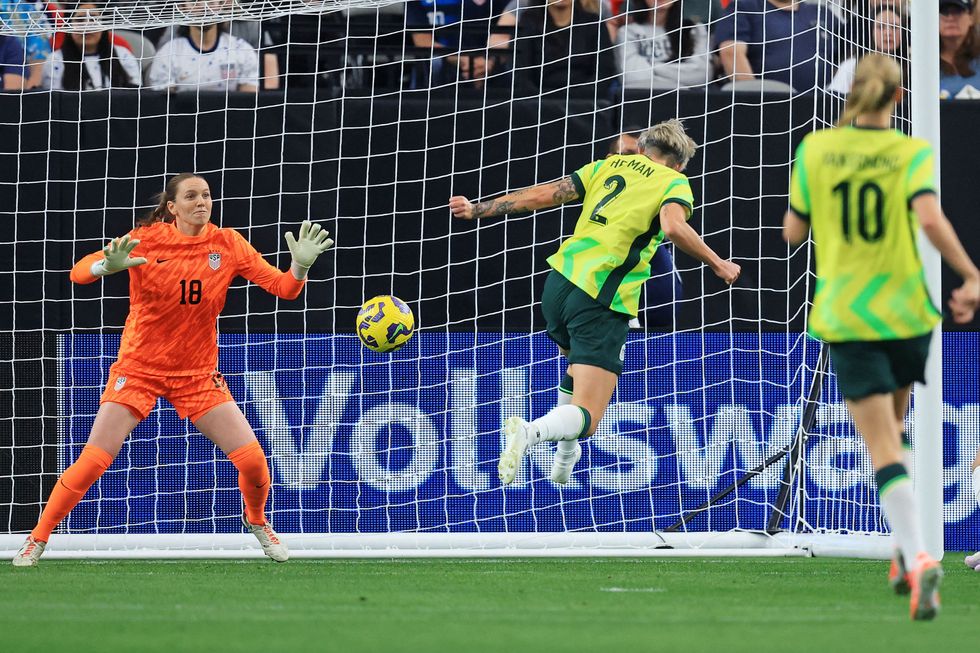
x=29, y=553
x=272, y=546
x=561, y=469
x=973, y=562
x=518, y=439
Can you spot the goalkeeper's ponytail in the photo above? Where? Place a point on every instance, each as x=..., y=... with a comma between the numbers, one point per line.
x=160, y=213
x=876, y=78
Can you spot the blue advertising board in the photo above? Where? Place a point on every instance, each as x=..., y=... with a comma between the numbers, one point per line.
x=361, y=442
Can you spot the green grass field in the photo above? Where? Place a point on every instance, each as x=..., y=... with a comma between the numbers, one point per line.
x=601, y=605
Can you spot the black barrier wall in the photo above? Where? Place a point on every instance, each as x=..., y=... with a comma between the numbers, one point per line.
x=378, y=173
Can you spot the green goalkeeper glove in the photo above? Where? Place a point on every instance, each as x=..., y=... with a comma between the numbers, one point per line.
x=312, y=242
x=117, y=257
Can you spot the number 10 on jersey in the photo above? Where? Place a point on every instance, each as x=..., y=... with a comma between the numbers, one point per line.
x=871, y=207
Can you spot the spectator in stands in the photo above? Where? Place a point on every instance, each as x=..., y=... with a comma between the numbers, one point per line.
x=886, y=39
x=12, y=70
x=37, y=44
x=788, y=41
x=90, y=60
x=205, y=58
x=455, y=31
x=959, y=50
x=574, y=53
x=254, y=33
x=697, y=11
x=659, y=49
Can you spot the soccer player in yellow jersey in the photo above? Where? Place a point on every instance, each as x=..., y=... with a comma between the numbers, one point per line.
x=630, y=203
x=859, y=188
x=179, y=273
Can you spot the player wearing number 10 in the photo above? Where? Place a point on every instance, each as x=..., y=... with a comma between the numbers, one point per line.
x=630, y=203
x=179, y=275
x=856, y=187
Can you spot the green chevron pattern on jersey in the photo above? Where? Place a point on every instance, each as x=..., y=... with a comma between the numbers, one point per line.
x=856, y=186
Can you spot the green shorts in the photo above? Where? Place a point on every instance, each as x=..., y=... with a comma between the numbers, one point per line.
x=873, y=367
x=591, y=333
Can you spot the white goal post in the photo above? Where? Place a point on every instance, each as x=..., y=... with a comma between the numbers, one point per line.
x=726, y=436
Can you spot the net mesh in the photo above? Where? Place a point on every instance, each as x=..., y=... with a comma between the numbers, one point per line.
x=368, y=122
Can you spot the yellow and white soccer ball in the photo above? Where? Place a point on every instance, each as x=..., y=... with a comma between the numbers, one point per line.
x=385, y=323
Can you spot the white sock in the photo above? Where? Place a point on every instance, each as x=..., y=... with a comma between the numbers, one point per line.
x=898, y=504
x=566, y=447
x=566, y=422
x=976, y=484
x=907, y=458
x=564, y=398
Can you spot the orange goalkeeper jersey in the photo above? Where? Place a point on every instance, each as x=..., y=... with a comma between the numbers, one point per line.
x=175, y=297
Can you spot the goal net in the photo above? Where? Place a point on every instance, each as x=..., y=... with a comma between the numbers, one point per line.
x=726, y=430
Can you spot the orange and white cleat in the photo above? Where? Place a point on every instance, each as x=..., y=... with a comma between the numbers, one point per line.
x=29, y=553
x=272, y=546
x=898, y=575
x=925, y=580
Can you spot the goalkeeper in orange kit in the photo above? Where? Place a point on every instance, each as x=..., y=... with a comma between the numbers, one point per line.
x=180, y=266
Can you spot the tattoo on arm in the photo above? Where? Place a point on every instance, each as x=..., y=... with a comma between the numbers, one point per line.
x=565, y=191
x=527, y=199
x=493, y=207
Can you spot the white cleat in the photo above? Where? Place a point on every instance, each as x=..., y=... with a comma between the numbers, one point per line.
x=561, y=469
x=973, y=562
x=272, y=546
x=518, y=434
x=29, y=553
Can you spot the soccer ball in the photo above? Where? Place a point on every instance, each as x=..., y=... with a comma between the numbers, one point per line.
x=385, y=323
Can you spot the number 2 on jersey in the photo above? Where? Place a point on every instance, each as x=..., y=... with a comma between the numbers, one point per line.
x=190, y=293
x=868, y=191
x=618, y=185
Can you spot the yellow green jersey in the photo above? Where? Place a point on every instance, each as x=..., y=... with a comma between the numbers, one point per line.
x=608, y=255
x=855, y=186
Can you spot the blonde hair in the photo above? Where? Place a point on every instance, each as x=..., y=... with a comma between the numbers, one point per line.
x=876, y=79
x=668, y=140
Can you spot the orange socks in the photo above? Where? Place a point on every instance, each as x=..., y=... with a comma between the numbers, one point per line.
x=253, y=480
x=70, y=489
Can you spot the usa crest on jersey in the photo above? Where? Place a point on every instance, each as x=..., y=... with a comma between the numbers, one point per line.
x=214, y=260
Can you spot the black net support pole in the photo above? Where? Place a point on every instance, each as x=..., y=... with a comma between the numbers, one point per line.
x=795, y=461
x=794, y=449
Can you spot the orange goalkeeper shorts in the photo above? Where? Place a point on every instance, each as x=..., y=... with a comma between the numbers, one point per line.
x=192, y=396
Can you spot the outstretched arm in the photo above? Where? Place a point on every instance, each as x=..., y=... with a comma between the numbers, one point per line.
x=312, y=242
x=673, y=221
x=542, y=196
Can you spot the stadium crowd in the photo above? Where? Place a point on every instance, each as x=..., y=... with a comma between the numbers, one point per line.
x=521, y=46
